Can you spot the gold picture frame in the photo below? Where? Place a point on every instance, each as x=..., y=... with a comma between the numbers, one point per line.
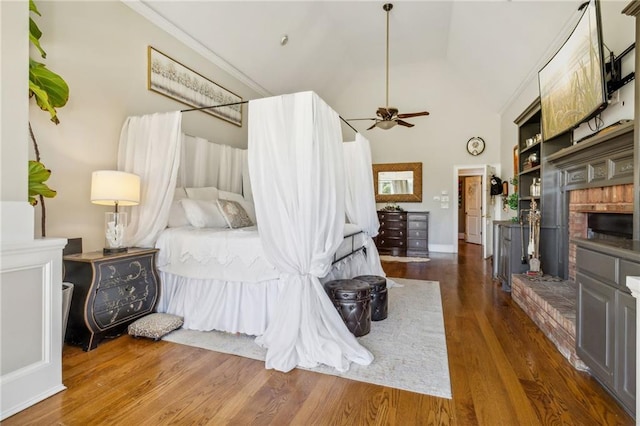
x=170, y=78
x=414, y=169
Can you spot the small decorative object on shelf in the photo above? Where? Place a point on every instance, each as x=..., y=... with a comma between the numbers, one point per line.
x=534, y=190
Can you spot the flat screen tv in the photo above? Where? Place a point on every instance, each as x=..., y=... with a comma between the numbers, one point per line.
x=572, y=84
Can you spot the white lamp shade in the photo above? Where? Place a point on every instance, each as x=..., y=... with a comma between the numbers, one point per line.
x=111, y=187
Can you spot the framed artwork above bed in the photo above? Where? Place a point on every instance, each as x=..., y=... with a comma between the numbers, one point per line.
x=170, y=78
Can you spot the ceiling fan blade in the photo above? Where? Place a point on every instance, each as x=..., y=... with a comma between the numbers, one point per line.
x=404, y=123
x=357, y=119
x=413, y=114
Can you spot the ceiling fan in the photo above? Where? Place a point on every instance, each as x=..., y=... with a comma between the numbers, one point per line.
x=388, y=117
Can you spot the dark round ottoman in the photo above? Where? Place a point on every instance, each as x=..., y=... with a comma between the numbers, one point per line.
x=352, y=300
x=379, y=303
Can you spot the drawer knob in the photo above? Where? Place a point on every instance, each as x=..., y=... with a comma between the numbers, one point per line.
x=382, y=242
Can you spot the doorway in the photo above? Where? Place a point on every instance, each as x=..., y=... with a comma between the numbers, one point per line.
x=481, y=220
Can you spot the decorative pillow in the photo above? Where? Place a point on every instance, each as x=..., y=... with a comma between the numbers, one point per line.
x=204, y=193
x=235, y=215
x=154, y=326
x=177, y=215
x=203, y=213
x=247, y=205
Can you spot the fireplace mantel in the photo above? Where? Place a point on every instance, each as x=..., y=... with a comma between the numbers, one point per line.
x=602, y=160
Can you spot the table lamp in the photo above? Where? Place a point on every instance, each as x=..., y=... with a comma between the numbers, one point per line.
x=115, y=188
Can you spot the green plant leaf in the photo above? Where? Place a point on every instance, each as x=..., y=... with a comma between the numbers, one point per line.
x=42, y=99
x=33, y=8
x=34, y=37
x=43, y=80
x=38, y=174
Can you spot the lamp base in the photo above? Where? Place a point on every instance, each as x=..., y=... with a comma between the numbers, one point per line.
x=114, y=250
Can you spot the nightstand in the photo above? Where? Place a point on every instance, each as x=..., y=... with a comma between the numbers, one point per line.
x=110, y=292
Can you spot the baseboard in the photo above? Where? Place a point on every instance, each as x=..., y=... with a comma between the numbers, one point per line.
x=441, y=248
x=461, y=236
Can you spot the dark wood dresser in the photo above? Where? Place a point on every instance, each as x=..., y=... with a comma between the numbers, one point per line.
x=110, y=292
x=403, y=233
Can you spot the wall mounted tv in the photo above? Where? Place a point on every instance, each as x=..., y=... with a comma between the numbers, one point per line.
x=572, y=84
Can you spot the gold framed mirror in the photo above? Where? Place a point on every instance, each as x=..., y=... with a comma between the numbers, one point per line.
x=395, y=182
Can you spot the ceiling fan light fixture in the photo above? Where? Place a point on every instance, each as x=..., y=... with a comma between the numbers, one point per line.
x=386, y=124
x=388, y=117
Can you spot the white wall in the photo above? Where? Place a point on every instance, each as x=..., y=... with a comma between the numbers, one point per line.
x=438, y=141
x=17, y=225
x=100, y=49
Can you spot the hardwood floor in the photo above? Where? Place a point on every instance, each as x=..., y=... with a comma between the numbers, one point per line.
x=503, y=372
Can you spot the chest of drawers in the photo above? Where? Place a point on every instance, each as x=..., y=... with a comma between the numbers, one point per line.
x=403, y=233
x=392, y=235
x=109, y=293
x=418, y=234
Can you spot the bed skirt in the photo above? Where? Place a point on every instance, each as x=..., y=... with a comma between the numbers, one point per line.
x=235, y=306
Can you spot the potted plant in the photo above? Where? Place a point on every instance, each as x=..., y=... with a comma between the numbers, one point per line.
x=511, y=200
x=50, y=91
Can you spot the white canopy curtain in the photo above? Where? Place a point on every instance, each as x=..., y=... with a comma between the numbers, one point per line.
x=150, y=147
x=360, y=203
x=296, y=167
x=205, y=163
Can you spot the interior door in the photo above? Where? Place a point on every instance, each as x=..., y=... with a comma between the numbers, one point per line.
x=473, y=209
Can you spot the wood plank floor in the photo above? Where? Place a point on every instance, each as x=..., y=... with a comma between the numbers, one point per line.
x=503, y=372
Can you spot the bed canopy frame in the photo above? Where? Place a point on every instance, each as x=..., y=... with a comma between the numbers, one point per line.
x=246, y=102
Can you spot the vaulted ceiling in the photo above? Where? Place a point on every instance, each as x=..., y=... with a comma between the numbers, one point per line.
x=494, y=45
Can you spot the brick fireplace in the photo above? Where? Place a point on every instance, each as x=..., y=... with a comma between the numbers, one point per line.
x=608, y=199
x=585, y=183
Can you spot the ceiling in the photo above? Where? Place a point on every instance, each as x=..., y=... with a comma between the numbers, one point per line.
x=494, y=45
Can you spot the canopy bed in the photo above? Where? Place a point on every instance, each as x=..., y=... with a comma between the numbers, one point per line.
x=266, y=283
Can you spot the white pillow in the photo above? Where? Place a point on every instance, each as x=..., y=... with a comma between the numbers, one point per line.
x=204, y=193
x=226, y=195
x=177, y=215
x=247, y=205
x=203, y=213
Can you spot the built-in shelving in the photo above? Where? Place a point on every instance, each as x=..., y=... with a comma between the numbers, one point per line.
x=548, y=202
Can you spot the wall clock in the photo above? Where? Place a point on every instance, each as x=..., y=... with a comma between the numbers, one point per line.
x=475, y=145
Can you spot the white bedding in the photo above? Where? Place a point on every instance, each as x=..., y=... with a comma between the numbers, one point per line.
x=228, y=254
x=219, y=279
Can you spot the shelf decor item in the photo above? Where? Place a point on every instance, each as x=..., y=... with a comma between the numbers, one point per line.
x=534, y=190
x=115, y=188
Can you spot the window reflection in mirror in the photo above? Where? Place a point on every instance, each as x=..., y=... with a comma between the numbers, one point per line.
x=395, y=182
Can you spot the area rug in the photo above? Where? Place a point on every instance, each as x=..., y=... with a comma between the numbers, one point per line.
x=409, y=346
x=403, y=259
